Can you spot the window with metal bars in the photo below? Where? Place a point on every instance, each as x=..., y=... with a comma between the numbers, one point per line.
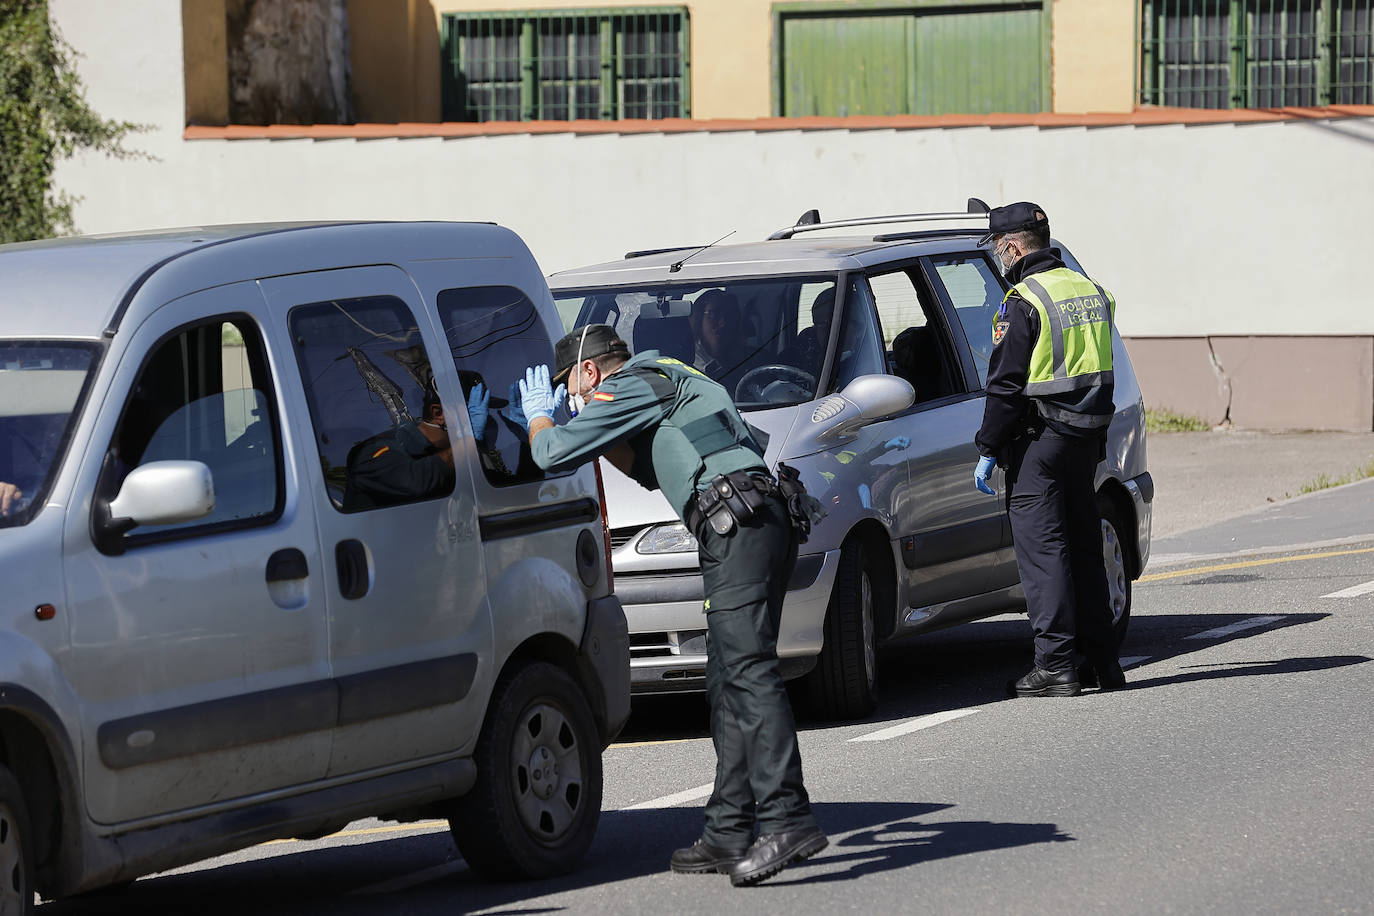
x=1256, y=53
x=603, y=64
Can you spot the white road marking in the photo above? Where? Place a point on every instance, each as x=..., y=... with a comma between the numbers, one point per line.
x=1247, y=624
x=1354, y=591
x=916, y=724
x=414, y=879
x=1130, y=661
x=676, y=798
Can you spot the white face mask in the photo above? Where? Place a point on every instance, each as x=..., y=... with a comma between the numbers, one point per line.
x=576, y=402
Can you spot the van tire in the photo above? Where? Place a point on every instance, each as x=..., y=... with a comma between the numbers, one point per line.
x=522, y=820
x=843, y=685
x=1116, y=562
x=16, y=848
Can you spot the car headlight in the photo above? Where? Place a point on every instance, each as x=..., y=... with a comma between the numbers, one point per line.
x=674, y=538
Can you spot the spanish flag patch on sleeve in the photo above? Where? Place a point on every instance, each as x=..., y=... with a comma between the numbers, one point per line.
x=381, y=451
x=603, y=396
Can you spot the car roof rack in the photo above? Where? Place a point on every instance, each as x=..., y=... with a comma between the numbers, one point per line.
x=810, y=221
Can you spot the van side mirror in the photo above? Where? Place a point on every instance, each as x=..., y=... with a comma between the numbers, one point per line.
x=157, y=493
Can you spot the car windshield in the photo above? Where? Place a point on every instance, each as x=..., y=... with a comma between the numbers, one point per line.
x=764, y=340
x=40, y=386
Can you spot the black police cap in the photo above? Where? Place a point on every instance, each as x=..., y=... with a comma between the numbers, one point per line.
x=599, y=340
x=1014, y=218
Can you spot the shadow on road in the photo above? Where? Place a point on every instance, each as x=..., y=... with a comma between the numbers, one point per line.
x=867, y=837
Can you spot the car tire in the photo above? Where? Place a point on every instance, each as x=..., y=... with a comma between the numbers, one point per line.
x=1114, y=562
x=843, y=685
x=534, y=809
x=16, y=848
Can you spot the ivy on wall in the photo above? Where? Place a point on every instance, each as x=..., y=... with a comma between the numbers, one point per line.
x=43, y=117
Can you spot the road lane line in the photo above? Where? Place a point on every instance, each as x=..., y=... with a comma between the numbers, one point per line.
x=415, y=878
x=916, y=724
x=676, y=798
x=1130, y=661
x=1180, y=573
x=1248, y=624
x=413, y=827
x=1354, y=591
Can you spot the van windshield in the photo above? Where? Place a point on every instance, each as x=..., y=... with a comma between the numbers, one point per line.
x=40, y=386
x=764, y=339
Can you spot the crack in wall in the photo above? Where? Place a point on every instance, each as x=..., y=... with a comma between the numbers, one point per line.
x=1223, y=381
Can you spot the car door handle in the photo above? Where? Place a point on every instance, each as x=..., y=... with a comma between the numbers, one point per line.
x=355, y=579
x=286, y=564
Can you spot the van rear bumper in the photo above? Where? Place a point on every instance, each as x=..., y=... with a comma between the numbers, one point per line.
x=605, y=656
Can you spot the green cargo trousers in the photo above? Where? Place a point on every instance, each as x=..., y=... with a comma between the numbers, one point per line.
x=758, y=765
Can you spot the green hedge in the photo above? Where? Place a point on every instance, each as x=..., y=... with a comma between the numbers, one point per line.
x=43, y=117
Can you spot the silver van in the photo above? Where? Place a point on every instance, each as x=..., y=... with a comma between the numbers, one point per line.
x=276, y=558
x=862, y=357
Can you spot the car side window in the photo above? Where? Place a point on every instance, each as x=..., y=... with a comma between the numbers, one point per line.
x=494, y=333
x=379, y=427
x=204, y=394
x=976, y=292
x=912, y=338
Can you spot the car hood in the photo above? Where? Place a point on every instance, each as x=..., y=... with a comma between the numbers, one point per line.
x=628, y=505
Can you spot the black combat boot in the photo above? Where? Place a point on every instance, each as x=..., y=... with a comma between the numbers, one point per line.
x=701, y=857
x=1042, y=683
x=773, y=852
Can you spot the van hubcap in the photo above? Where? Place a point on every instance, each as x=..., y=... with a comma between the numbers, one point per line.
x=1115, y=566
x=548, y=772
x=12, y=889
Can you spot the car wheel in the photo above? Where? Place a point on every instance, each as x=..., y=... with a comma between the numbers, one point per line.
x=843, y=683
x=534, y=809
x=16, y=851
x=1114, y=562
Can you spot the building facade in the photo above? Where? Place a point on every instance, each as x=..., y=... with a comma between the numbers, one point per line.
x=1229, y=230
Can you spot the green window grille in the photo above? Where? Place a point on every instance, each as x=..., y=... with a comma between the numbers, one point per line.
x=1256, y=53
x=559, y=65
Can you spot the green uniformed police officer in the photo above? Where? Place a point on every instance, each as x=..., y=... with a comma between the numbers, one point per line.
x=671, y=428
x=1049, y=403
x=410, y=461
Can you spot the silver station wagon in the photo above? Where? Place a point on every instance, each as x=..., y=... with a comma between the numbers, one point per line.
x=862, y=358
x=276, y=558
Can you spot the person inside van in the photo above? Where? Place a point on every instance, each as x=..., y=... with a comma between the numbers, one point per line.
x=721, y=351
x=410, y=461
x=10, y=497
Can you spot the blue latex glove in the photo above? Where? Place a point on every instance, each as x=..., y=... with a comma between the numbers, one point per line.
x=514, y=411
x=897, y=442
x=536, y=394
x=980, y=475
x=479, y=400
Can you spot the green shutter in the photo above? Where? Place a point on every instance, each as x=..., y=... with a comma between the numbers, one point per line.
x=898, y=59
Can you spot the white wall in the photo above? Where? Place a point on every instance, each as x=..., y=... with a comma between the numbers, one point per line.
x=1220, y=229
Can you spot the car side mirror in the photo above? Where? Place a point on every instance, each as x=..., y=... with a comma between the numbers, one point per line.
x=157, y=493
x=879, y=396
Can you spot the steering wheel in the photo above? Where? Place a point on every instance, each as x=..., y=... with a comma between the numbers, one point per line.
x=774, y=382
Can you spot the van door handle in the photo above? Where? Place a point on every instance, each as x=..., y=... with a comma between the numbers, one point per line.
x=286, y=564
x=355, y=579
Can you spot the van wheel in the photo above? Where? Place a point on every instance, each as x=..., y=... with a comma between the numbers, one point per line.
x=1114, y=562
x=843, y=685
x=16, y=849
x=534, y=808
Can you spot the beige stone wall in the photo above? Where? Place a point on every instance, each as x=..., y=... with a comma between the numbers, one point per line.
x=1093, y=55
x=1260, y=382
x=394, y=50
x=205, y=51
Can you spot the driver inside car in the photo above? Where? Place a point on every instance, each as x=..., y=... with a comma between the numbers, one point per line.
x=808, y=353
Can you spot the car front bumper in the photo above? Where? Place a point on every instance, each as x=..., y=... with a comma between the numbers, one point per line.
x=668, y=624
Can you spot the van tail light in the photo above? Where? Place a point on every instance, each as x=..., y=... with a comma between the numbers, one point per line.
x=605, y=526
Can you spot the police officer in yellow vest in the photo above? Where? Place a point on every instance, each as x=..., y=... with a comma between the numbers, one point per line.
x=671, y=428
x=1049, y=402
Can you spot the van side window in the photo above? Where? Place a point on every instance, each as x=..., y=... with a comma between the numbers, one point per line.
x=494, y=333
x=379, y=426
x=976, y=292
x=912, y=337
x=204, y=394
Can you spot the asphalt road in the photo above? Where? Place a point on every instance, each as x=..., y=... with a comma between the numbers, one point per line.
x=1235, y=775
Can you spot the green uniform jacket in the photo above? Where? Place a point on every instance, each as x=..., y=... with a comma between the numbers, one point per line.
x=682, y=427
x=397, y=466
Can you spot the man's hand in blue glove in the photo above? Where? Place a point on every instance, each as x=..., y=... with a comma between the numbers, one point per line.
x=514, y=410
x=980, y=474
x=479, y=400
x=537, y=397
